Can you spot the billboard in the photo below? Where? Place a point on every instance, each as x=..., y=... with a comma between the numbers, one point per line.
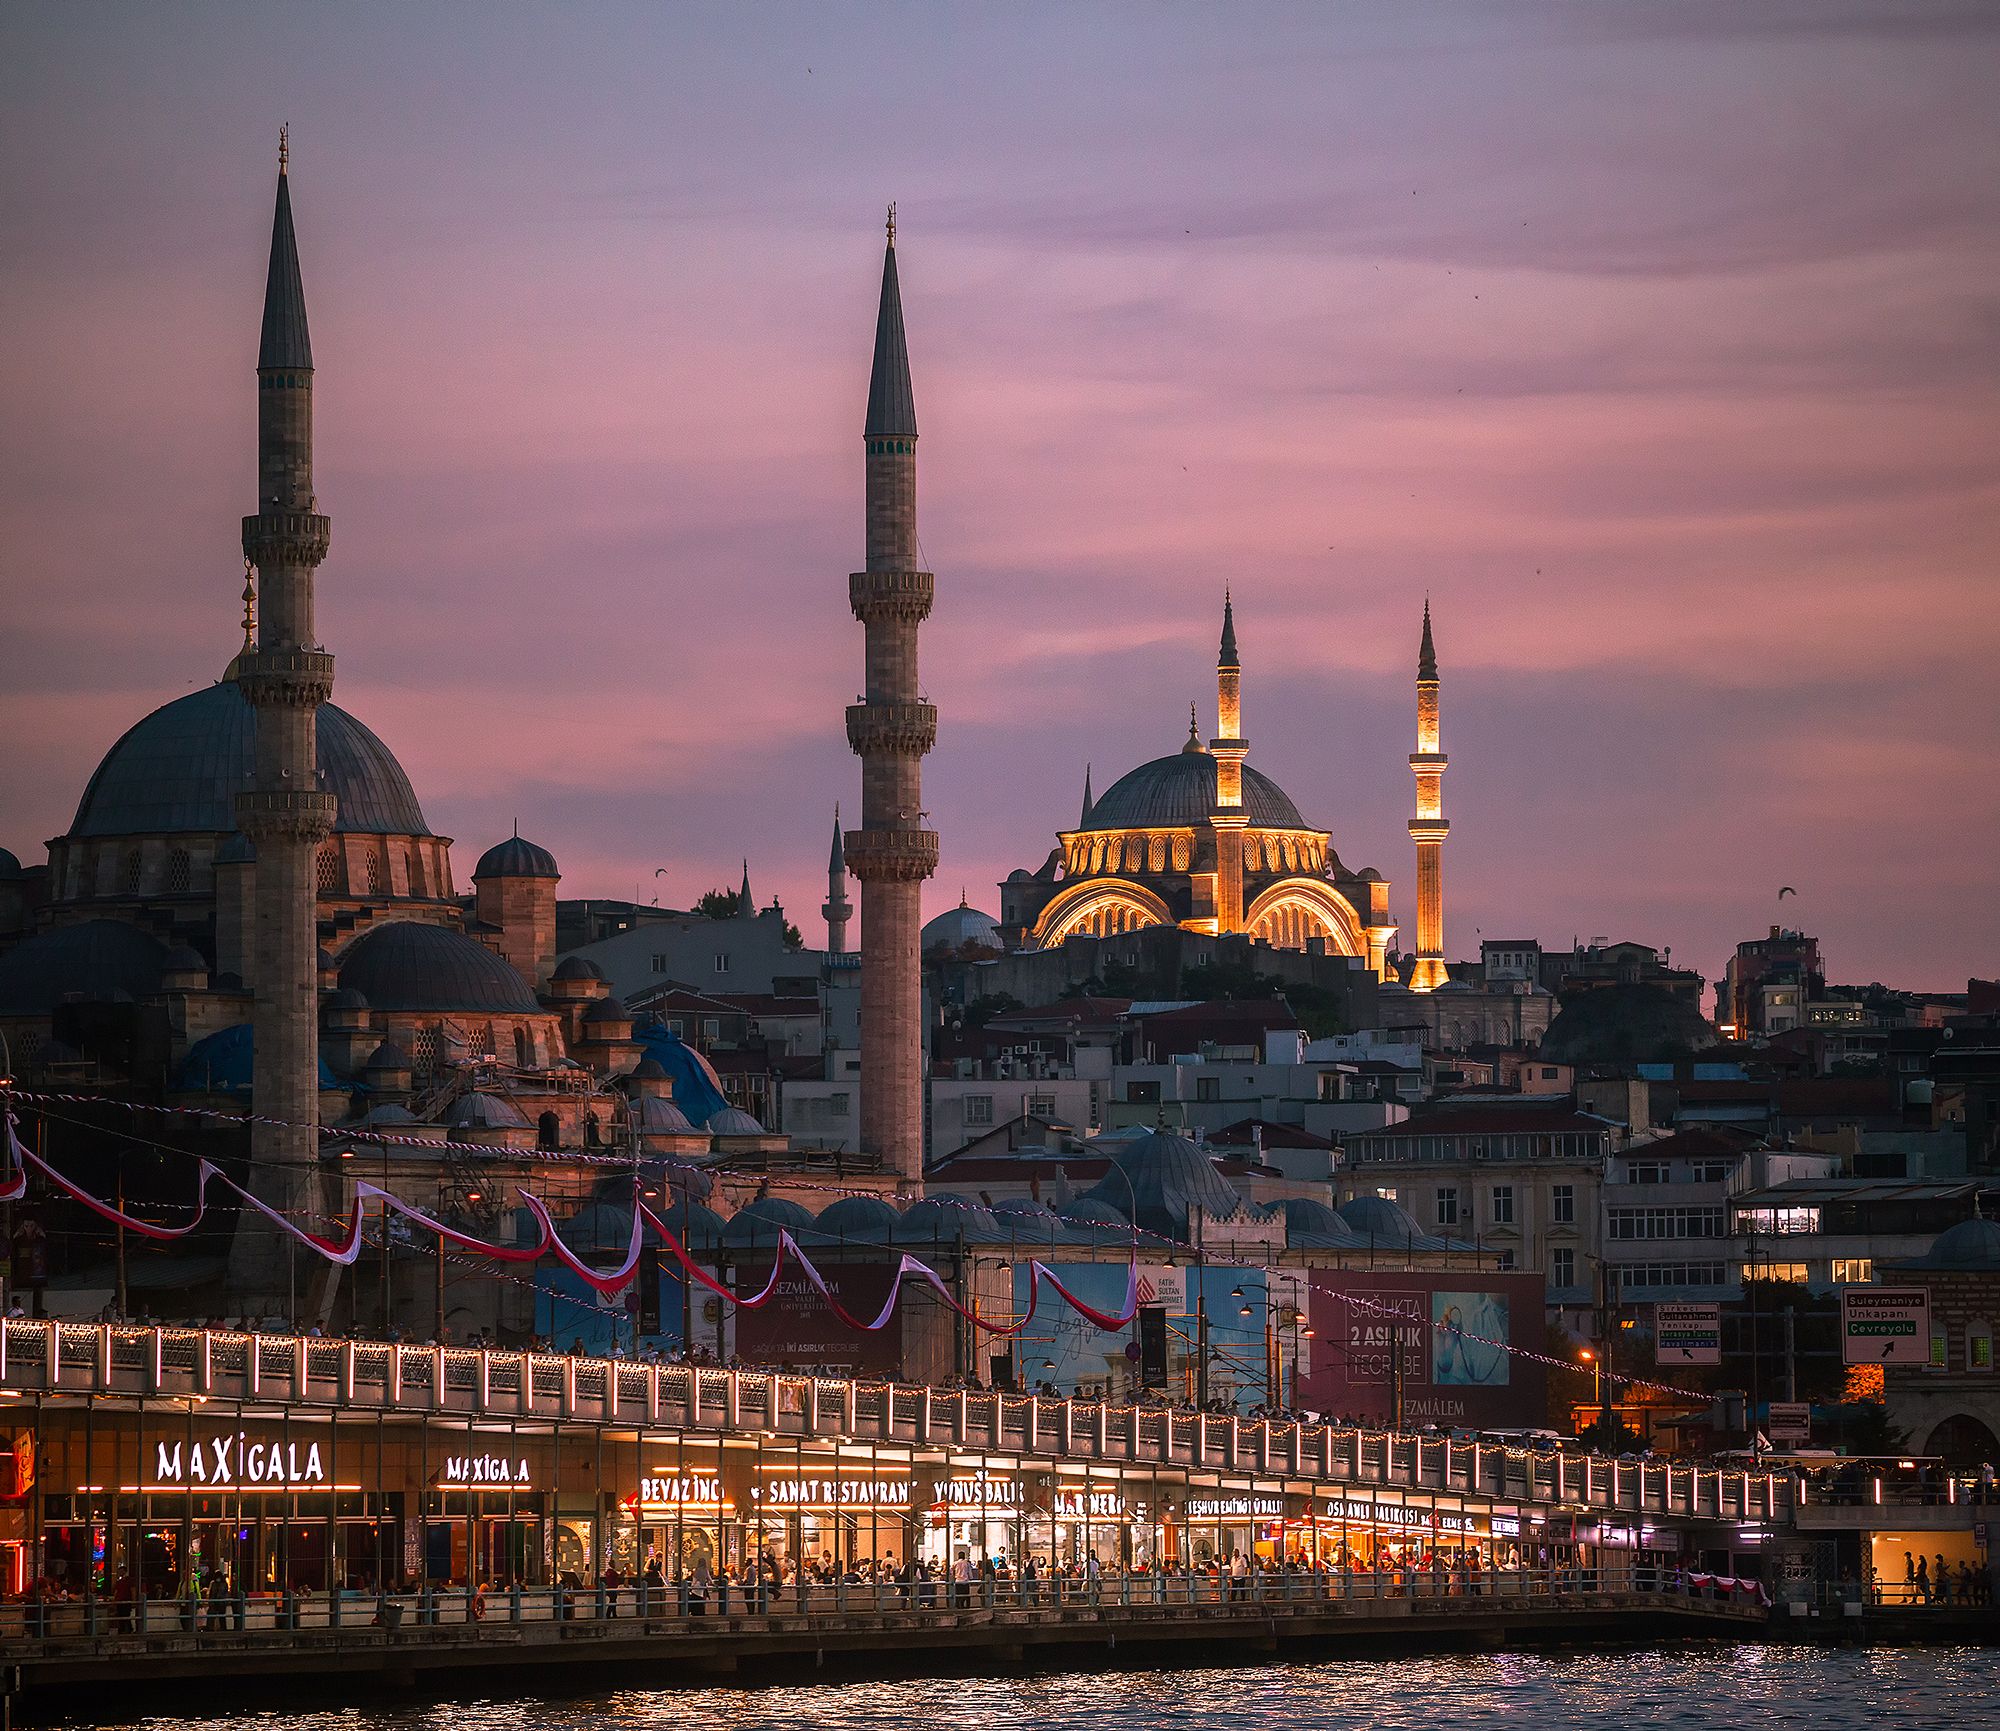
x=795, y=1326
x=1456, y=1342
x=1687, y=1334
x=1885, y=1325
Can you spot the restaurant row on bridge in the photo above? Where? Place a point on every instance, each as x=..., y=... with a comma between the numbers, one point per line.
x=142, y=1459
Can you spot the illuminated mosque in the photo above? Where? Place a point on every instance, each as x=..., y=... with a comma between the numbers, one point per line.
x=1202, y=841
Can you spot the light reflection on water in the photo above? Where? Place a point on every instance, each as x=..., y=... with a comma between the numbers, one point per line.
x=1865, y=1689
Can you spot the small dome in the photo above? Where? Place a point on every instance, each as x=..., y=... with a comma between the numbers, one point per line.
x=868, y=1218
x=1178, y=792
x=1969, y=1244
x=577, y=968
x=407, y=966
x=660, y=1117
x=649, y=1070
x=759, y=1222
x=1369, y=875
x=733, y=1121
x=487, y=1112
x=949, y=1220
x=696, y=1226
x=960, y=926
x=388, y=1056
x=389, y=1115
x=1383, y=1221
x=1170, y=1176
x=236, y=848
x=91, y=961
x=10, y=867
x=516, y=858
x=343, y=998
x=184, y=959
x=607, y=1010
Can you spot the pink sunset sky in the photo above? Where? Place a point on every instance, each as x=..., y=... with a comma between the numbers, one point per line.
x=1657, y=343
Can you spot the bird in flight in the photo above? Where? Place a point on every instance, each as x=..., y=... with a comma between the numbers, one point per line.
x=1786, y=890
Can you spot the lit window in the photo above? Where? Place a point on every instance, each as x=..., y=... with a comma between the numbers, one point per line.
x=1978, y=1348
x=1853, y=1270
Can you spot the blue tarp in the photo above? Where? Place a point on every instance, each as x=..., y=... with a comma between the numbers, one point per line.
x=223, y=1063
x=697, y=1088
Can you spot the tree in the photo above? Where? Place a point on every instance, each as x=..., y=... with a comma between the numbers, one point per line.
x=1210, y=980
x=1863, y=1428
x=1611, y=1436
x=722, y=905
x=982, y=1010
x=1320, y=1012
x=794, y=938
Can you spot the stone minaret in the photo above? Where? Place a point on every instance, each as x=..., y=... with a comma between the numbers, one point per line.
x=1229, y=749
x=836, y=910
x=891, y=729
x=284, y=812
x=1428, y=828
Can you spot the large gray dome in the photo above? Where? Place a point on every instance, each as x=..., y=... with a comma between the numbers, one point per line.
x=407, y=966
x=180, y=769
x=1179, y=791
x=92, y=960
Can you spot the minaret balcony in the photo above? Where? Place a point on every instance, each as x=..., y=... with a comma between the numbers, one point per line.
x=285, y=678
x=1429, y=828
x=285, y=814
x=1434, y=761
x=286, y=538
x=904, y=596
x=881, y=856
x=894, y=729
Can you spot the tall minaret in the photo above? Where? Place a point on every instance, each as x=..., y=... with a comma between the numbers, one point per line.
x=285, y=812
x=1428, y=828
x=891, y=730
x=836, y=910
x=1229, y=749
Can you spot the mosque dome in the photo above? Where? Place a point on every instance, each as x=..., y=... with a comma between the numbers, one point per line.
x=1971, y=1244
x=91, y=961
x=760, y=1221
x=487, y=1112
x=404, y=965
x=733, y=1121
x=960, y=926
x=515, y=858
x=1383, y=1221
x=1169, y=1177
x=868, y=1218
x=577, y=968
x=658, y=1117
x=180, y=769
x=10, y=866
x=1178, y=792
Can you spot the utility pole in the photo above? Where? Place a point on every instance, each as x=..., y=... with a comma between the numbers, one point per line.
x=1791, y=1353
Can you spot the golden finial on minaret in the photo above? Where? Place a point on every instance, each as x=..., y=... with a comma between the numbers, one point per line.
x=249, y=605
x=892, y=225
x=284, y=146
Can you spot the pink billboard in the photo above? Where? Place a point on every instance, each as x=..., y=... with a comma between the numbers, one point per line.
x=1458, y=1342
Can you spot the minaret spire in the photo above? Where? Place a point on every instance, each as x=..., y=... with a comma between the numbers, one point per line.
x=1429, y=828
x=745, y=907
x=1229, y=749
x=837, y=910
x=891, y=730
x=286, y=814
x=1084, y=821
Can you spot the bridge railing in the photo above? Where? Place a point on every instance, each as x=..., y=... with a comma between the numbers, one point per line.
x=44, y=1357
x=48, y=1628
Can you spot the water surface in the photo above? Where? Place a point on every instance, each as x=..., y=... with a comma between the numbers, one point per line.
x=1852, y=1689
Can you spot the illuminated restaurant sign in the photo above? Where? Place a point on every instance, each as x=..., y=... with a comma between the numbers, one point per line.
x=1234, y=1508
x=483, y=1470
x=1394, y=1515
x=1089, y=1506
x=837, y=1494
x=688, y=1490
x=233, y=1461
x=980, y=1493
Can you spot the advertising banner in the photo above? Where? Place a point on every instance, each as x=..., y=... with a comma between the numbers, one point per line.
x=1453, y=1342
x=1885, y=1325
x=1687, y=1334
x=798, y=1327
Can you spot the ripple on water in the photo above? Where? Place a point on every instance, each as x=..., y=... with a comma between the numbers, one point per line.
x=1864, y=1689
